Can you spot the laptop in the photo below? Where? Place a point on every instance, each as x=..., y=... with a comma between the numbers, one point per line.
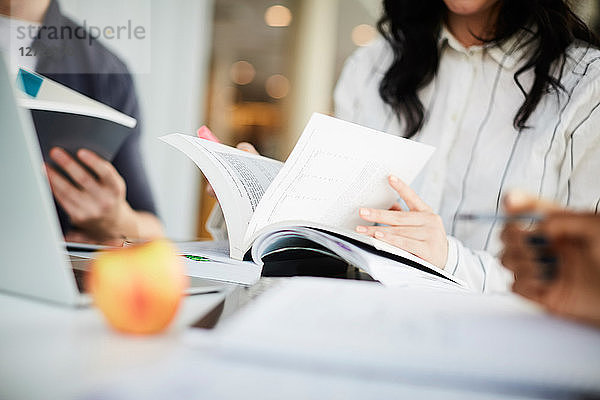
x=33, y=258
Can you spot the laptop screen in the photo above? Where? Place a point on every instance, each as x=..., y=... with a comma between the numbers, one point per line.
x=33, y=261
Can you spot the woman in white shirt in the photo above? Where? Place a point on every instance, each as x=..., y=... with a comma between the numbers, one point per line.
x=507, y=91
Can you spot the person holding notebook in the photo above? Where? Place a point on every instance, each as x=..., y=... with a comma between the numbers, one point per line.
x=507, y=91
x=117, y=202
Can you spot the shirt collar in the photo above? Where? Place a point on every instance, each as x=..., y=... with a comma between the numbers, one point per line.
x=507, y=54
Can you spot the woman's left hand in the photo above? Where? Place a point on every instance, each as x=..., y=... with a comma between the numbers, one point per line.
x=419, y=231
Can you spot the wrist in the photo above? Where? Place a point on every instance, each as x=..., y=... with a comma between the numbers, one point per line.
x=124, y=222
x=444, y=257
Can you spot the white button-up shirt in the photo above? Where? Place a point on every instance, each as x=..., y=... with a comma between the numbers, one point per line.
x=470, y=108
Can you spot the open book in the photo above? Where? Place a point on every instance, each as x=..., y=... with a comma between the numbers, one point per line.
x=71, y=120
x=311, y=202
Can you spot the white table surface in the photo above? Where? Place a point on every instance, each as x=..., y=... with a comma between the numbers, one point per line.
x=54, y=352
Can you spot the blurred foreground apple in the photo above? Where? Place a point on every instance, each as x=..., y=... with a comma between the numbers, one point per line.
x=138, y=288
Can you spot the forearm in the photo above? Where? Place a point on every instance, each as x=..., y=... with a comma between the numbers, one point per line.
x=132, y=226
x=126, y=223
x=149, y=226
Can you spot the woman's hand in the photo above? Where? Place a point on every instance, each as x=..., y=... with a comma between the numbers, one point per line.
x=419, y=231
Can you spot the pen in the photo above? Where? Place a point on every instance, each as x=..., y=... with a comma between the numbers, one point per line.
x=533, y=217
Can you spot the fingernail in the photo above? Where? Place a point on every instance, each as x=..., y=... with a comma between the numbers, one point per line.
x=393, y=178
x=244, y=146
x=364, y=212
x=548, y=272
x=516, y=198
x=537, y=240
x=57, y=152
x=379, y=235
x=547, y=259
x=83, y=153
x=548, y=267
x=361, y=229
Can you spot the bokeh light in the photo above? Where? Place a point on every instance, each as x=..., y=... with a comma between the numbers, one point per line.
x=277, y=86
x=363, y=34
x=242, y=72
x=278, y=16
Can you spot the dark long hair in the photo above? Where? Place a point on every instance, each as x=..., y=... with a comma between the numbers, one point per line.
x=412, y=29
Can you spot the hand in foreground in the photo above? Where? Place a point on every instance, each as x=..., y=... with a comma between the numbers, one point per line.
x=419, y=231
x=557, y=262
x=96, y=205
x=244, y=146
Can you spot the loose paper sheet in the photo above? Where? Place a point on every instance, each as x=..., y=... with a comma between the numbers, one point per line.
x=370, y=330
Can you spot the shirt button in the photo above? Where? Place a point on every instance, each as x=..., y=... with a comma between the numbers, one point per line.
x=454, y=117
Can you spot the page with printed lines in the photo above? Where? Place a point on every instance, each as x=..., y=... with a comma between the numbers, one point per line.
x=335, y=168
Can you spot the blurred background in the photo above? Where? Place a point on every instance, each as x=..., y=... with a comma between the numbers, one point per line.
x=251, y=70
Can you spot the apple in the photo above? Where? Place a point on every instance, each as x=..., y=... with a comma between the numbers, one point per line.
x=138, y=288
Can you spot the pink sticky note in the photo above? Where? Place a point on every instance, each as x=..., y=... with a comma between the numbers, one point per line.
x=205, y=133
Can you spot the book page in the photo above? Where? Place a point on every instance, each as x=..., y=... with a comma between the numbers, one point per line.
x=238, y=178
x=210, y=260
x=387, y=269
x=335, y=168
x=53, y=96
